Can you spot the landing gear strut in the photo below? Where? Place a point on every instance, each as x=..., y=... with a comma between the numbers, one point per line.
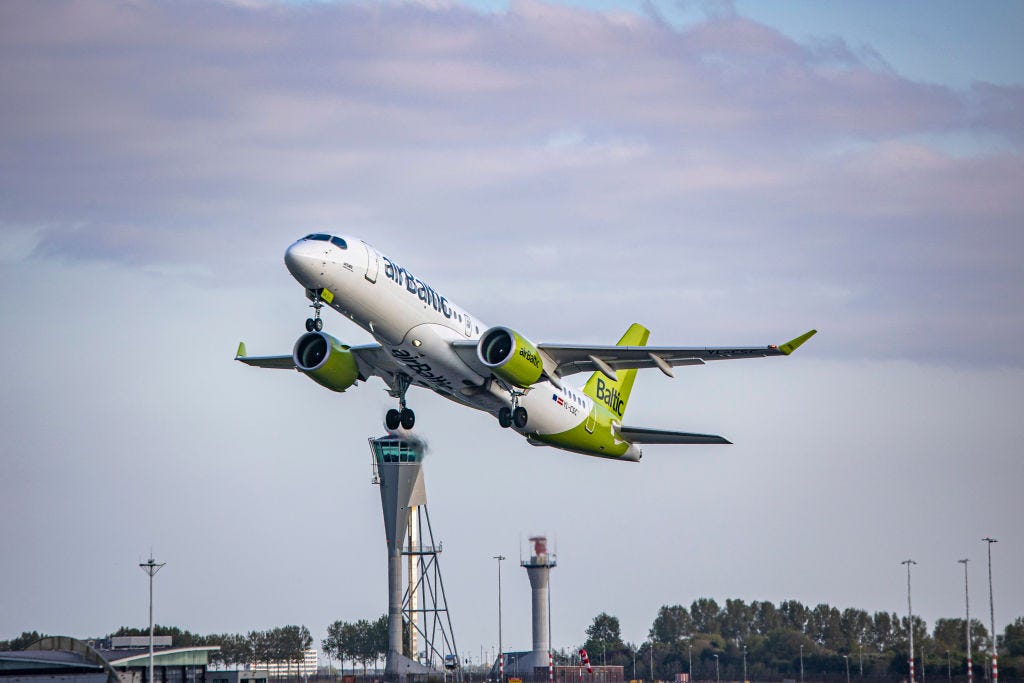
x=405, y=416
x=516, y=415
x=315, y=323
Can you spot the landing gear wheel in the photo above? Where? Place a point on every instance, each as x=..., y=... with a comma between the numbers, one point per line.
x=408, y=418
x=392, y=419
x=519, y=417
x=505, y=417
x=318, y=324
x=310, y=324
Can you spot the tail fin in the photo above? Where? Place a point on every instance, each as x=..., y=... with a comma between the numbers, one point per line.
x=615, y=393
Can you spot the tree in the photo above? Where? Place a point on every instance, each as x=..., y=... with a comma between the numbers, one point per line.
x=706, y=615
x=604, y=637
x=1013, y=638
x=21, y=642
x=672, y=625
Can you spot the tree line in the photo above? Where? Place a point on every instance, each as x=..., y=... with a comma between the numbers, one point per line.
x=775, y=640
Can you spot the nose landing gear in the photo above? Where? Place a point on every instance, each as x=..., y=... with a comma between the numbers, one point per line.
x=315, y=323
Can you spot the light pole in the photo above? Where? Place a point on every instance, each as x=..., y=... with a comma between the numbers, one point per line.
x=689, y=659
x=847, y=658
x=949, y=667
x=501, y=652
x=151, y=567
x=860, y=646
x=801, y=663
x=910, y=619
x=992, y=612
x=967, y=622
x=924, y=666
x=718, y=677
x=652, y=661
x=745, y=664
x=634, y=663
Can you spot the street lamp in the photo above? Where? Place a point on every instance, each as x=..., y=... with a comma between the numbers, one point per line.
x=910, y=619
x=949, y=667
x=801, y=663
x=992, y=612
x=718, y=676
x=847, y=658
x=501, y=652
x=689, y=659
x=151, y=567
x=967, y=621
x=745, y=664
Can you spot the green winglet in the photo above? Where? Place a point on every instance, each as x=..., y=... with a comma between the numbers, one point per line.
x=241, y=350
x=793, y=344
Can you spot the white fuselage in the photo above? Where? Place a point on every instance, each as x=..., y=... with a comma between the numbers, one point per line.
x=415, y=324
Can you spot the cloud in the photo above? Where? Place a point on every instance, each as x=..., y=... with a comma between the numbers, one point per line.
x=208, y=135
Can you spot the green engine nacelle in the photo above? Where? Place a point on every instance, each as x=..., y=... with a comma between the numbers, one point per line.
x=326, y=361
x=510, y=356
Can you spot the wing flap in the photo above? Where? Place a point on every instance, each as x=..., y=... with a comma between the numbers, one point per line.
x=664, y=436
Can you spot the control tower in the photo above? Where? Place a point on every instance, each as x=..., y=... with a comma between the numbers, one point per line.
x=538, y=567
x=420, y=600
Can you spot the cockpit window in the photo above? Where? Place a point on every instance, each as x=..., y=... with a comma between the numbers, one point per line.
x=320, y=237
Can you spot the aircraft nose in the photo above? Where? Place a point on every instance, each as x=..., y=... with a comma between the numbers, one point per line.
x=303, y=262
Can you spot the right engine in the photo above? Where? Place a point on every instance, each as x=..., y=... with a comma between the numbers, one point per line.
x=326, y=361
x=510, y=356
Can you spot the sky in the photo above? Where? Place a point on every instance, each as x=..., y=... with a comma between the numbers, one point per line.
x=722, y=173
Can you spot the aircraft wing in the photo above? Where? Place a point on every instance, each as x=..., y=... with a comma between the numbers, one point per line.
x=570, y=359
x=370, y=358
x=663, y=436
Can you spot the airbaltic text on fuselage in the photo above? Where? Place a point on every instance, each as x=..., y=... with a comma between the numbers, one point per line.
x=414, y=285
x=610, y=397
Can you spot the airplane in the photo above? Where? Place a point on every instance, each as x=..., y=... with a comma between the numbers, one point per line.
x=424, y=339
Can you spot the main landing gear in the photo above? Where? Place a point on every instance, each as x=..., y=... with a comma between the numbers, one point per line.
x=404, y=417
x=315, y=323
x=516, y=415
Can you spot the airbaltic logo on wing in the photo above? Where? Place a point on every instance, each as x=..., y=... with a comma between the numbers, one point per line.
x=610, y=397
x=531, y=357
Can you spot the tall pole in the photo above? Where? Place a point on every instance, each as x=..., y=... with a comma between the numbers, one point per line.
x=910, y=619
x=967, y=623
x=949, y=667
x=801, y=663
x=745, y=664
x=992, y=612
x=689, y=657
x=501, y=652
x=718, y=677
x=652, y=661
x=151, y=567
x=847, y=658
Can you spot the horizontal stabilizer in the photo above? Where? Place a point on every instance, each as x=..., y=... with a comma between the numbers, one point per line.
x=664, y=436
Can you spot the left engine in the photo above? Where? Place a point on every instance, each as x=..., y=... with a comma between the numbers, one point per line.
x=326, y=361
x=510, y=356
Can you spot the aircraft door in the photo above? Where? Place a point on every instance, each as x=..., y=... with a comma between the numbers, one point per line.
x=591, y=419
x=469, y=324
x=372, y=263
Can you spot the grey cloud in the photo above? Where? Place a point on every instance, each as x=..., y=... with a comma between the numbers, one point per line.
x=208, y=135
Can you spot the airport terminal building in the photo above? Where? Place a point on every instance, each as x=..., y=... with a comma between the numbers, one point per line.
x=61, y=659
